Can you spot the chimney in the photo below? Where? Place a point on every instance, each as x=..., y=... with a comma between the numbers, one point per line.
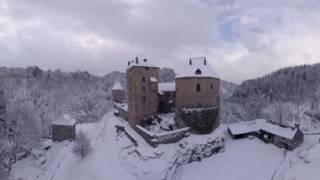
x=297, y=125
x=205, y=61
x=137, y=60
x=129, y=63
x=145, y=60
x=190, y=61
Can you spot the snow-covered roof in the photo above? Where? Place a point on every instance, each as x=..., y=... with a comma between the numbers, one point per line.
x=286, y=132
x=153, y=79
x=123, y=106
x=197, y=67
x=262, y=124
x=140, y=63
x=167, y=87
x=240, y=128
x=117, y=86
x=65, y=120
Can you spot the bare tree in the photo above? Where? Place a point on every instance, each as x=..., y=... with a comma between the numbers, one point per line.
x=3, y=165
x=316, y=100
x=255, y=104
x=22, y=132
x=81, y=146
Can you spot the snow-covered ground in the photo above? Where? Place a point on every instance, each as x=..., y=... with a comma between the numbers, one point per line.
x=101, y=163
x=114, y=157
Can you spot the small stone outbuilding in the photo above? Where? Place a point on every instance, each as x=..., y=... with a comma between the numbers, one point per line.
x=280, y=135
x=63, y=129
x=118, y=93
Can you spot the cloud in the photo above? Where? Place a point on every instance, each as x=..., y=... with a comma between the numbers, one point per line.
x=242, y=39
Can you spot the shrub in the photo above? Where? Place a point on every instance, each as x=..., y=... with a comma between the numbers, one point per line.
x=81, y=147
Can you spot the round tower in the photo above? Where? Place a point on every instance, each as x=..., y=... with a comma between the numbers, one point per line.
x=198, y=97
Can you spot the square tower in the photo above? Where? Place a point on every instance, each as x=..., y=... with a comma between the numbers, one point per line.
x=143, y=100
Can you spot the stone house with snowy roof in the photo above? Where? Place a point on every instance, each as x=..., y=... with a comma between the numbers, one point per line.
x=194, y=96
x=63, y=129
x=280, y=135
x=118, y=93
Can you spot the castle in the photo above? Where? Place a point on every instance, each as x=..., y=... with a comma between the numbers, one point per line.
x=194, y=97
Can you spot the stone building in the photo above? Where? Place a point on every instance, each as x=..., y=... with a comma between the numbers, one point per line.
x=198, y=97
x=193, y=97
x=118, y=93
x=143, y=100
x=282, y=136
x=63, y=129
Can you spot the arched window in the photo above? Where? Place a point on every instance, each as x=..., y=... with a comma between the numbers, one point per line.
x=198, y=71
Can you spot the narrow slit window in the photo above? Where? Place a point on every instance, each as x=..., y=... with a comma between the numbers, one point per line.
x=198, y=87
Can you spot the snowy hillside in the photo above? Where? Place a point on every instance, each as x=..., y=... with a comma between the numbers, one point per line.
x=286, y=95
x=113, y=156
x=51, y=94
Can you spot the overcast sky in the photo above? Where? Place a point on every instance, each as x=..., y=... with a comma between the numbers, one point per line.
x=241, y=39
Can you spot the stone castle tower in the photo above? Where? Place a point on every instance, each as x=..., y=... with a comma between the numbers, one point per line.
x=143, y=100
x=198, y=97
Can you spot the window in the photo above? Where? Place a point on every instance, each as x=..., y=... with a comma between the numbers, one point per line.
x=198, y=71
x=143, y=99
x=211, y=86
x=143, y=79
x=198, y=87
x=143, y=89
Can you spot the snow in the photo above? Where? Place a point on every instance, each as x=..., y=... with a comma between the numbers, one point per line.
x=285, y=132
x=187, y=110
x=62, y=164
x=240, y=128
x=117, y=86
x=116, y=111
x=123, y=106
x=153, y=79
x=197, y=63
x=145, y=131
x=176, y=131
x=303, y=163
x=167, y=123
x=262, y=124
x=163, y=133
x=115, y=157
x=65, y=120
x=242, y=159
x=141, y=63
x=167, y=87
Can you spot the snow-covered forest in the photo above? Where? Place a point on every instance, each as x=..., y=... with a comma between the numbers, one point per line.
x=31, y=98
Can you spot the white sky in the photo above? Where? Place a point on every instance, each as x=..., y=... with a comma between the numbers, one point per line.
x=241, y=39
